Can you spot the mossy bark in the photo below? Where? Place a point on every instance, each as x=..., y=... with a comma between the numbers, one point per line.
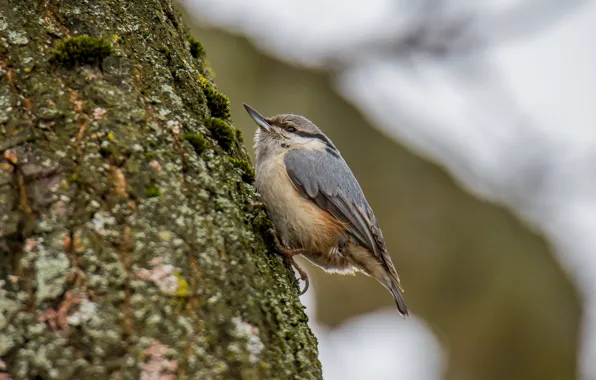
x=127, y=250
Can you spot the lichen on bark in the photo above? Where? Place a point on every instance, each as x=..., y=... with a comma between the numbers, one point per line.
x=128, y=250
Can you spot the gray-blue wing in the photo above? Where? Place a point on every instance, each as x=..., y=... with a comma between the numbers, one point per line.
x=325, y=178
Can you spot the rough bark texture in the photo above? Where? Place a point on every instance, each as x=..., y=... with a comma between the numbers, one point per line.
x=131, y=242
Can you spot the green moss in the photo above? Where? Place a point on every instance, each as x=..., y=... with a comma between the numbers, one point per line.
x=132, y=165
x=197, y=141
x=196, y=48
x=166, y=52
x=239, y=136
x=152, y=191
x=73, y=178
x=82, y=50
x=248, y=173
x=218, y=103
x=221, y=131
x=183, y=287
x=263, y=224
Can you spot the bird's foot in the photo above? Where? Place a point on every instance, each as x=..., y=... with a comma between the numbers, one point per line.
x=290, y=262
x=303, y=276
x=281, y=248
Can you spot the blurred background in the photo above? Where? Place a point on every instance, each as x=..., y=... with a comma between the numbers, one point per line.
x=470, y=126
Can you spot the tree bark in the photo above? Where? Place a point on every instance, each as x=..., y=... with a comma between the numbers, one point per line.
x=132, y=242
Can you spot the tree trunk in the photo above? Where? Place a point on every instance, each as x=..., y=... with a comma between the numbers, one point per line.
x=132, y=244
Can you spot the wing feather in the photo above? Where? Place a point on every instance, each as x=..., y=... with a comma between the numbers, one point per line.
x=327, y=180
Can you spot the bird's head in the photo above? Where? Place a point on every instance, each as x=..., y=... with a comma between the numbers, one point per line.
x=287, y=131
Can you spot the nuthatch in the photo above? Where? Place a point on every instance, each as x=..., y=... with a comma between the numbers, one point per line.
x=316, y=204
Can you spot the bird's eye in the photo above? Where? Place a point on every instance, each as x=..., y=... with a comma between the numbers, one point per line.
x=291, y=129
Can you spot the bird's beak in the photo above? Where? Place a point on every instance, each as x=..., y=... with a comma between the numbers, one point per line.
x=258, y=118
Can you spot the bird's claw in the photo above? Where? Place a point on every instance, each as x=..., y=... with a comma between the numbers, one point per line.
x=306, y=285
x=303, y=276
x=289, y=260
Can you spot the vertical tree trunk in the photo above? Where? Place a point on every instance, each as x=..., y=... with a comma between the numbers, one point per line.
x=131, y=242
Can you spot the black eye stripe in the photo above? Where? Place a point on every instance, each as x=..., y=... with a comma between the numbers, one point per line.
x=308, y=134
x=318, y=136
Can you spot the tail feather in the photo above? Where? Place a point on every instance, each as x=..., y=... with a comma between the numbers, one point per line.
x=399, y=301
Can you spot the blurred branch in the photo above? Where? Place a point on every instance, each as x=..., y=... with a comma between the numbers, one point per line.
x=526, y=18
x=441, y=29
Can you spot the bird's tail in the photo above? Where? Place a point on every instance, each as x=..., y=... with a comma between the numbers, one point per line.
x=399, y=300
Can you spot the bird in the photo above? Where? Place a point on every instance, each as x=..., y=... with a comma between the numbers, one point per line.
x=316, y=205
